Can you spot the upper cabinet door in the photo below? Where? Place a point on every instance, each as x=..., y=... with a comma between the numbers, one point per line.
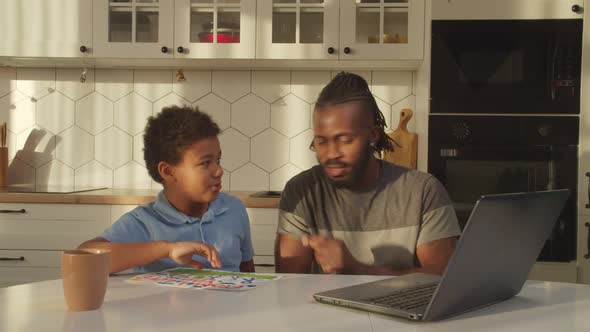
x=41, y=28
x=297, y=29
x=215, y=29
x=382, y=29
x=134, y=28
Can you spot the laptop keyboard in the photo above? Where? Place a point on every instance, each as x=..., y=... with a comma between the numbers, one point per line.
x=406, y=299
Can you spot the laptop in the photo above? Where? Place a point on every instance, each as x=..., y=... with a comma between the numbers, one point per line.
x=500, y=243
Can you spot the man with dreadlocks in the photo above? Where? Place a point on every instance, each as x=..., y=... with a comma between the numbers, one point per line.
x=355, y=213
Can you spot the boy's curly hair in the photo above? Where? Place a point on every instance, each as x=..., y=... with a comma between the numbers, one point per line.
x=170, y=132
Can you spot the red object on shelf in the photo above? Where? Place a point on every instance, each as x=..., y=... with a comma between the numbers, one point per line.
x=222, y=38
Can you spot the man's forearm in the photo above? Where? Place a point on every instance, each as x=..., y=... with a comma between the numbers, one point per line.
x=291, y=256
x=128, y=255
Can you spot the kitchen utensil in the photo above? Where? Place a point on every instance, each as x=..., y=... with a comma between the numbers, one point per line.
x=3, y=134
x=223, y=36
x=3, y=166
x=405, y=151
x=3, y=156
x=388, y=38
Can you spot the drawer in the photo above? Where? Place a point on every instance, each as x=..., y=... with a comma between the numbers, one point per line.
x=263, y=239
x=24, y=275
x=29, y=258
x=263, y=227
x=50, y=226
x=54, y=211
x=36, y=265
x=263, y=216
x=264, y=264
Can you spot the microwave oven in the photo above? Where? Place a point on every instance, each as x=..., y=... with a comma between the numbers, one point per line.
x=506, y=66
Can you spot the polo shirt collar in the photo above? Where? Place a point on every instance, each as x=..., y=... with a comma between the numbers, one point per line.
x=173, y=216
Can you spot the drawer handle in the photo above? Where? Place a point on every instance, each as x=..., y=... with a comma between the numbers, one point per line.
x=14, y=211
x=21, y=258
x=588, y=204
x=265, y=265
x=587, y=241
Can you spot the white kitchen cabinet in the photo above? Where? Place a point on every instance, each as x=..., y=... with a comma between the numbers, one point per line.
x=554, y=271
x=218, y=29
x=584, y=161
x=583, y=249
x=26, y=266
x=41, y=28
x=134, y=28
x=382, y=30
x=584, y=147
x=212, y=29
x=263, y=227
x=340, y=30
x=295, y=29
x=33, y=236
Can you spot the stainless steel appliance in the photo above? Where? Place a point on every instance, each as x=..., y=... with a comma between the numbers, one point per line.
x=506, y=66
x=481, y=155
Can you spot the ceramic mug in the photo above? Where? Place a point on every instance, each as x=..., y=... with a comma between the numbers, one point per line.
x=85, y=273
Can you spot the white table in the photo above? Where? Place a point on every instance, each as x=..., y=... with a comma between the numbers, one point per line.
x=283, y=305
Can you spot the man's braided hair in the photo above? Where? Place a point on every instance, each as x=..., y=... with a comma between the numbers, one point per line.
x=346, y=87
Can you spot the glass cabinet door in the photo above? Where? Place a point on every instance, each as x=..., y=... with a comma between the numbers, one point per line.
x=133, y=28
x=382, y=29
x=215, y=28
x=297, y=29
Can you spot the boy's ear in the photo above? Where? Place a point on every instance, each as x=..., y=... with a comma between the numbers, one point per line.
x=166, y=171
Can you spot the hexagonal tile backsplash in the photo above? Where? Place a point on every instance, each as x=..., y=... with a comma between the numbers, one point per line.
x=93, y=131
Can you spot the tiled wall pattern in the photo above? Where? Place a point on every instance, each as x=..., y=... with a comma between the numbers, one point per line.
x=64, y=132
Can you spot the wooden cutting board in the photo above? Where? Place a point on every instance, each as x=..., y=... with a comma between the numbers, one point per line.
x=405, y=151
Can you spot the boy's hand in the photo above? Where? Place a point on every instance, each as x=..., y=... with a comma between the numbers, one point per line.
x=182, y=253
x=332, y=255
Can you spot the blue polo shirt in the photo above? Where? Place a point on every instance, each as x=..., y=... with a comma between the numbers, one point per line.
x=224, y=226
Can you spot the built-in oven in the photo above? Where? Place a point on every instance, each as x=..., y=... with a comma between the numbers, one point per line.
x=478, y=155
x=506, y=66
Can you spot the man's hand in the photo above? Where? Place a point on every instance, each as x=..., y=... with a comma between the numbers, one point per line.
x=332, y=255
x=182, y=253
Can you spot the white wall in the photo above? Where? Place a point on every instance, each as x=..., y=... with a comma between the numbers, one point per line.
x=90, y=134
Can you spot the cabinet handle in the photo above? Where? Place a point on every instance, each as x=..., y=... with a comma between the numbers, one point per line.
x=21, y=258
x=588, y=204
x=577, y=9
x=587, y=241
x=14, y=211
x=180, y=49
x=83, y=49
x=347, y=50
x=331, y=50
x=265, y=265
x=164, y=49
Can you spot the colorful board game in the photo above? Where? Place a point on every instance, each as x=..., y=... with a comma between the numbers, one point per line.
x=203, y=279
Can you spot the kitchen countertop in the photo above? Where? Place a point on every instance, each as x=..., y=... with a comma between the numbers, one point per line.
x=119, y=197
x=282, y=305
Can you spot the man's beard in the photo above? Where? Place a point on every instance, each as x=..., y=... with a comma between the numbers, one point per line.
x=357, y=171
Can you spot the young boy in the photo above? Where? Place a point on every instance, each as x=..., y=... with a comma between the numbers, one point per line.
x=190, y=223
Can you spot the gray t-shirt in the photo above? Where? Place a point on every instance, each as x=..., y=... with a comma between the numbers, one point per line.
x=381, y=226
